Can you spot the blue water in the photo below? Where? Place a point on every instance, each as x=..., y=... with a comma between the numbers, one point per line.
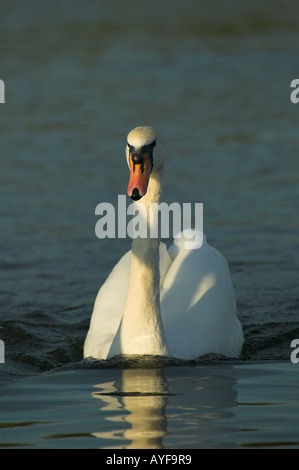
x=215, y=81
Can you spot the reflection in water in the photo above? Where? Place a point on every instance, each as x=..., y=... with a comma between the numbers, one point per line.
x=143, y=394
x=200, y=403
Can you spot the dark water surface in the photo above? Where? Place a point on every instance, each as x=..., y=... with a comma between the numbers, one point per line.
x=214, y=78
x=192, y=407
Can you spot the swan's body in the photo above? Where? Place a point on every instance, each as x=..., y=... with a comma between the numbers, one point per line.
x=178, y=303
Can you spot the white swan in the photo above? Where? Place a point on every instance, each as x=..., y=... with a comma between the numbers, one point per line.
x=178, y=303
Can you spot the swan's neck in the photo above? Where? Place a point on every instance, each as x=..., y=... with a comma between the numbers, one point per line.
x=141, y=330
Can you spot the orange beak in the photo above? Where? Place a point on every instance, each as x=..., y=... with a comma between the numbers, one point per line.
x=139, y=177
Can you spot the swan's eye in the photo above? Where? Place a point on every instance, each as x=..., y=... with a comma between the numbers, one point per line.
x=149, y=147
x=131, y=147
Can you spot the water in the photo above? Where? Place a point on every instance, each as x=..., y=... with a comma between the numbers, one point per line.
x=190, y=407
x=215, y=80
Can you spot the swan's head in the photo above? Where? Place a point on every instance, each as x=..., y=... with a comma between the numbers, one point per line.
x=144, y=156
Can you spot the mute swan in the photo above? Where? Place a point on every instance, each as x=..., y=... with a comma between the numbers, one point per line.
x=178, y=303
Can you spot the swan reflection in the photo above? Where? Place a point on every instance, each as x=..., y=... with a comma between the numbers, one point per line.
x=144, y=409
x=143, y=394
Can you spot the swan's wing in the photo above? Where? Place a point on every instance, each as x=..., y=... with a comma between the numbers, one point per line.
x=110, y=302
x=198, y=303
x=107, y=311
